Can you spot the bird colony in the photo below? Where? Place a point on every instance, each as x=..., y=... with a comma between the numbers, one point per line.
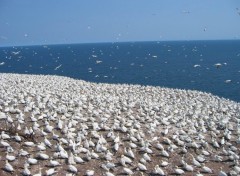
x=53, y=125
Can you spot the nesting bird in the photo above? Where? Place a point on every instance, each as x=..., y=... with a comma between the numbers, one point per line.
x=158, y=170
x=8, y=167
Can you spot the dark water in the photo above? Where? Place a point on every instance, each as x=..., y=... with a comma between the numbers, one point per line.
x=168, y=64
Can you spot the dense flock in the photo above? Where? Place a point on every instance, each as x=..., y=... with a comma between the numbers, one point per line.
x=53, y=125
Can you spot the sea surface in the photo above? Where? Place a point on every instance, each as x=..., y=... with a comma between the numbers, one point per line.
x=209, y=66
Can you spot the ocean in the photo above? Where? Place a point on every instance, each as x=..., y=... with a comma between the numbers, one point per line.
x=208, y=66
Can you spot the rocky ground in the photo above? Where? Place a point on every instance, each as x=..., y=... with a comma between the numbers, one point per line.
x=109, y=129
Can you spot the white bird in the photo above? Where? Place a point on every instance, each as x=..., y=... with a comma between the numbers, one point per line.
x=10, y=149
x=29, y=144
x=146, y=157
x=3, y=116
x=53, y=163
x=78, y=159
x=23, y=153
x=4, y=135
x=59, y=147
x=142, y=160
x=4, y=143
x=188, y=167
x=60, y=124
x=217, y=65
x=116, y=146
x=98, y=61
x=43, y=156
x=89, y=172
x=127, y=171
x=108, y=156
x=184, y=150
x=206, y=153
x=17, y=138
x=158, y=170
x=55, y=136
x=195, y=162
x=215, y=144
x=117, y=139
x=41, y=146
x=164, y=163
x=47, y=142
x=223, y=139
x=91, y=143
x=50, y=171
x=124, y=160
x=197, y=65
x=72, y=169
x=182, y=161
x=165, y=132
x=26, y=131
x=33, y=119
x=86, y=144
x=63, y=154
x=142, y=167
x=130, y=153
x=165, y=153
x=94, y=155
x=109, y=165
x=199, y=174
x=179, y=171
x=109, y=174
x=10, y=157
x=146, y=149
x=221, y=173
x=71, y=159
x=15, y=52
x=43, y=133
x=48, y=128
x=159, y=146
x=8, y=167
x=206, y=169
x=133, y=145
x=237, y=169
x=32, y=161
x=217, y=158
x=201, y=158
x=26, y=171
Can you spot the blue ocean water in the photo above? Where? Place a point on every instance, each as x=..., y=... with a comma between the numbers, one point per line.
x=174, y=64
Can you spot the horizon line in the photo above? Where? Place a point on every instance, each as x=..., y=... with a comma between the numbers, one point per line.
x=108, y=42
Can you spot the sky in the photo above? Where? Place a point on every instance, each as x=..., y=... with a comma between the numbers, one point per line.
x=37, y=22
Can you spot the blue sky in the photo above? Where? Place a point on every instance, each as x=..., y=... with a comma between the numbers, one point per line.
x=32, y=22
